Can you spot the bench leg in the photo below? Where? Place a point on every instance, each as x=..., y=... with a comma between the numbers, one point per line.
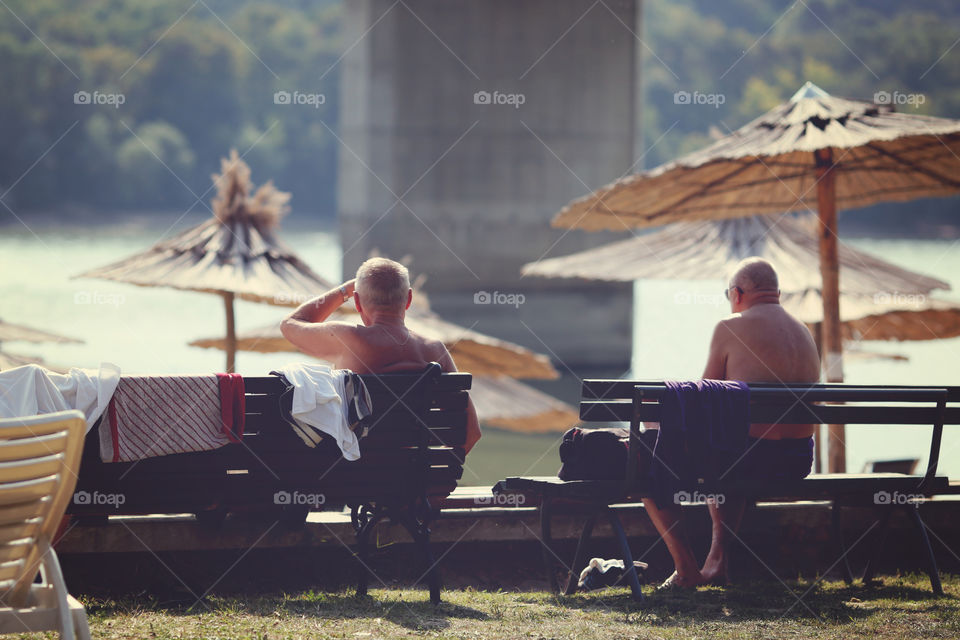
x=579, y=558
x=879, y=539
x=546, y=543
x=420, y=532
x=841, y=546
x=932, y=570
x=630, y=571
x=363, y=524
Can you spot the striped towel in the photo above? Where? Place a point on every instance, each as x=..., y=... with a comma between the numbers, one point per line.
x=152, y=416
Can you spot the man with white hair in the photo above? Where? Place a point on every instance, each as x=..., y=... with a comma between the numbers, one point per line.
x=758, y=342
x=382, y=343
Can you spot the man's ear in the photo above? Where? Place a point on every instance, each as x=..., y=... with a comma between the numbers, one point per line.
x=356, y=302
x=409, y=298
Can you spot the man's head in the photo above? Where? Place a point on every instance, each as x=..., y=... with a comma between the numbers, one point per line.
x=753, y=281
x=382, y=286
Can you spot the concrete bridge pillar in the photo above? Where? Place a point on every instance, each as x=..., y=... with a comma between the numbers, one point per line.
x=464, y=127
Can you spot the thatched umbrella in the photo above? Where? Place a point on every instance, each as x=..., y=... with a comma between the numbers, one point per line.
x=872, y=287
x=20, y=333
x=506, y=403
x=815, y=151
x=235, y=254
x=474, y=352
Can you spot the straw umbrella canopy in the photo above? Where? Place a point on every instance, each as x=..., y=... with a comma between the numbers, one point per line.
x=872, y=288
x=473, y=351
x=20, y=333
x=235, y=254
x=509, y=404
x=815, y=151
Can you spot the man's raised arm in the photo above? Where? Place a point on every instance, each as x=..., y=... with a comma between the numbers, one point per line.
x=306, y=328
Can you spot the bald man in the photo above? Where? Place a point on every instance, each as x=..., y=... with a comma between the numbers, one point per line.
x=381, y=343
x=758, y=342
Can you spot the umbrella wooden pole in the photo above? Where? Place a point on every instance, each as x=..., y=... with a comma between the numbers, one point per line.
x=832, y=344
x=231, y=342
x=817, y=330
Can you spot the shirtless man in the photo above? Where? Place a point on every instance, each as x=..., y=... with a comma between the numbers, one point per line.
x=382, y=344
x=758, y=342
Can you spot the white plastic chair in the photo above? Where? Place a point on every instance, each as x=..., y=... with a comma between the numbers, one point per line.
x=39, y=460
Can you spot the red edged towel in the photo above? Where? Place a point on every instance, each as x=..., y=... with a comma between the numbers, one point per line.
x=152, y=416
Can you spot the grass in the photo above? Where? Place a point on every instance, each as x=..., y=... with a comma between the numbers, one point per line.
x=897, y=607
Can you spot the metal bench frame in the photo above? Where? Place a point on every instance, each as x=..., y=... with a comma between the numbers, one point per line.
x=413, y=453
x=638, y=401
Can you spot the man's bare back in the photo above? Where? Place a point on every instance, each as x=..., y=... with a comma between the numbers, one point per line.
x=387, y=349
x=764, y=343
x=382, y=343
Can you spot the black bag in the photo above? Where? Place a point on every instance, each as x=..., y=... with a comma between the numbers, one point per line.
x=601, y=454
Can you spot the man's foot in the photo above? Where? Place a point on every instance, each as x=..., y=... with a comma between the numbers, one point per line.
x=677, y=583
x=715, y=576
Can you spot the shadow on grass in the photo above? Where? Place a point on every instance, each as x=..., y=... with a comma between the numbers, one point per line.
x=765, y=601
x=416, y=613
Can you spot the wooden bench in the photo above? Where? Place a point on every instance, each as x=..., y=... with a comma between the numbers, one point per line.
x=412, y=455
x=635, y=402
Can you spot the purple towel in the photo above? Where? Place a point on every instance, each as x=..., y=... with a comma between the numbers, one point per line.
x=703, y=431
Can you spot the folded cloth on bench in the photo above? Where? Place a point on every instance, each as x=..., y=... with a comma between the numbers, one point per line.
x=703, y=431
x=151, y=416
x=785, y=459
x=326, y=401
x=31, y=390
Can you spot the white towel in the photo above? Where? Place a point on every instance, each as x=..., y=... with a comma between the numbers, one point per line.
x=319, y=403
x=31, y=390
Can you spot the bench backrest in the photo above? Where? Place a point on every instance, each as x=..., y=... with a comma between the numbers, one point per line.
x=637, y=401
x=415, y=446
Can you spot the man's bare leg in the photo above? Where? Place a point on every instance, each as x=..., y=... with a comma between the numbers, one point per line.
x=726, y=518
x=669, y=525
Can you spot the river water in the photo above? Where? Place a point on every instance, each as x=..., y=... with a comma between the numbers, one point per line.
x=146, y=330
